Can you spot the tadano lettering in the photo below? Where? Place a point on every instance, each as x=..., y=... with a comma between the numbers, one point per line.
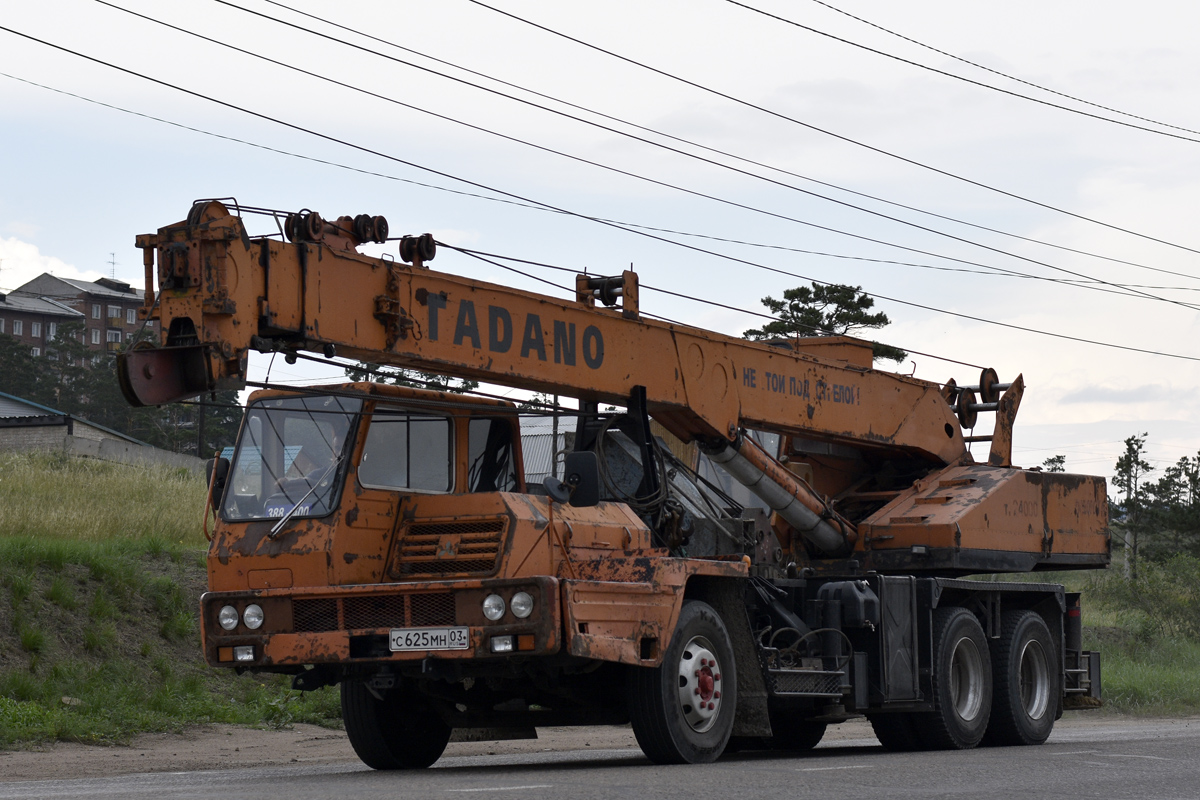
x=496, y=330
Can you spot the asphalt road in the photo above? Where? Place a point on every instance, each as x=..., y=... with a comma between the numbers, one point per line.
x=1111, y=759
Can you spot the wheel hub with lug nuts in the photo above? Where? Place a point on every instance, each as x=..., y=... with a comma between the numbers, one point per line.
x=1035, y=681
x=699, y=684
x=966, y=679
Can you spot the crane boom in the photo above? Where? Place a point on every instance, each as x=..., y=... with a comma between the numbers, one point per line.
x=228, y=293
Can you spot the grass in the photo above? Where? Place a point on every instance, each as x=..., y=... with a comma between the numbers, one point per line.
x=53, y=497
x=101, y=568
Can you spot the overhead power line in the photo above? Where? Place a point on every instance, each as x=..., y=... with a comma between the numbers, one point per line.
x=965, y=79
x=825, y=131
x=1009, y=76
x=872, y=294
x=380, y=154
x=487, y=258
x=984, y=269
x=690, y=143
x=638, y=176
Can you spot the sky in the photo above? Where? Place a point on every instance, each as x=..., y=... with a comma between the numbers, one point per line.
x=786, y=113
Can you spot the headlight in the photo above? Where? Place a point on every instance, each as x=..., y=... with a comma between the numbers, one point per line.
x=253, y=616
x=493, y=607
x=522, y=605
x=227, y=617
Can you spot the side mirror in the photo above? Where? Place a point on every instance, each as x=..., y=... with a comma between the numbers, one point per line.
x=221, y=467
x=583, y=478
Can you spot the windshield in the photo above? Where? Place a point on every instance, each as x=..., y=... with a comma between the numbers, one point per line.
x=289, y=457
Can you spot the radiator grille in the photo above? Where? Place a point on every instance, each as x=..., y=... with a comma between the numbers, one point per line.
x=374, y=611
x=312, y=616
x=432, y=609
x=435, y=549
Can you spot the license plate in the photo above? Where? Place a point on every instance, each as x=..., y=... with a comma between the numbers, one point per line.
x=429, y=639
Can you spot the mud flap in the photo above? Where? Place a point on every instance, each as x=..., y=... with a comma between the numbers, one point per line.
x=727, y=599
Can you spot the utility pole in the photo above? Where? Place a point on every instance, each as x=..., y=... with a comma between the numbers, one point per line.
x=200, y=408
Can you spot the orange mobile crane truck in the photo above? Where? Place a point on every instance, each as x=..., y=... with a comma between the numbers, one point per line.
x=796, y=556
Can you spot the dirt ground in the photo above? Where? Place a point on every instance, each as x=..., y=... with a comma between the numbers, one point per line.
x=229, y=746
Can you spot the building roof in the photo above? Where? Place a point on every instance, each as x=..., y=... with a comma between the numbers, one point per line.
x=13, y=407
x=30, y=304
x=69, y=288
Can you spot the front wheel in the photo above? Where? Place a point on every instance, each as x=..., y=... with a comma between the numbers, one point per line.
x=1026, y=675
x=400, y=731
x=682, y=712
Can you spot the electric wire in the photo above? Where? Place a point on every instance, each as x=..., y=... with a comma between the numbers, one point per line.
x=993, y=270
x=640, y=176
x=1010, y=77
x=965, y=79
x=708, y=148
x=827, y=132
x=985, y=320
x=487, y=258
x=362, y=148
x=989, y=268
x=626, y=173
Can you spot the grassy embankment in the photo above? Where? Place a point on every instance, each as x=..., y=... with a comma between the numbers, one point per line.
x=101, y=567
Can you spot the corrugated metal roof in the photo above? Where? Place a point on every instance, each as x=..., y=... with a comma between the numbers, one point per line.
x=29, y=304
x=12, y=406
x=538, y=450
x=69, y=288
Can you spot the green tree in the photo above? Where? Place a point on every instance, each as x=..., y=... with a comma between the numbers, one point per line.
x=1173, y=510
x=825, y=310
x=1132, y=468
x=63, y=366
x=1055, y=464
x=376, y=373
x=22, y=376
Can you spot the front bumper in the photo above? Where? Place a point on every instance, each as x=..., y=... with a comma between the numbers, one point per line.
x=352, y=624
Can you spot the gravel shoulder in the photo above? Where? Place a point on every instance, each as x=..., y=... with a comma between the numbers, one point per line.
x=209, y=747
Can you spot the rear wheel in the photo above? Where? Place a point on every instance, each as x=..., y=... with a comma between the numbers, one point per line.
x=962, y=683
x=896, y=731
x=401, y=731
x=1027, y=681
x=682, y=712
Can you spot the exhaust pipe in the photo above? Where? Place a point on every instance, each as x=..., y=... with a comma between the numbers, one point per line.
x=788, y=496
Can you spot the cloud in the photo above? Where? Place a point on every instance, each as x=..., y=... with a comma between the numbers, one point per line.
x=1149, y=393
x=21, y=262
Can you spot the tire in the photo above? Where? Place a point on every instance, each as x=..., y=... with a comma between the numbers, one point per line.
x=402, y=731
x=962, y=683
x=897, y=731
x=1027, y=678
x=790, y=733
x=670, y=726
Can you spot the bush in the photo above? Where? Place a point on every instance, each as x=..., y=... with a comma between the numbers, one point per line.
x=1165, y=600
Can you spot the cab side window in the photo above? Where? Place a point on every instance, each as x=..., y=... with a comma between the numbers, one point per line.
x=490, y=459
x=407, y=450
